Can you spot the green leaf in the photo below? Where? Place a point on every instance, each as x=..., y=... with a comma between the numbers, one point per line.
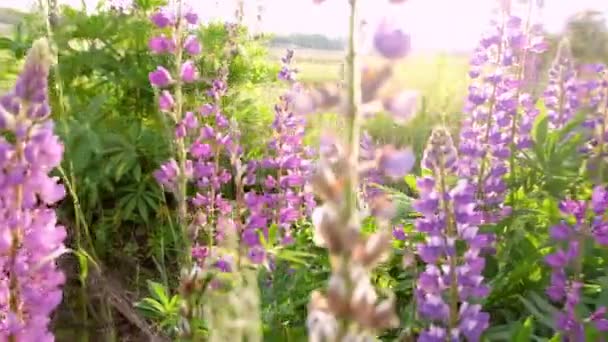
x=556, y=338
x=543, y=317
x=541, y=129
x=142, y=208
x=83, y=263
x=524, y=332
x=158, y=291
x=410, y=181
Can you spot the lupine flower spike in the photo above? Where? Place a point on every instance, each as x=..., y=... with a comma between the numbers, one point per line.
x=587, y=225
x=448, y=290
x=31, y=238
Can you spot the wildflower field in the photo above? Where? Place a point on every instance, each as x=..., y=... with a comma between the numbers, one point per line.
x=165, y=178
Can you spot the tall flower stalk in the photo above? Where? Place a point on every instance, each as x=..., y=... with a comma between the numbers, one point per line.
x=179, y=44
x=490, y=105
x=500, y=111
x=349, y=310
x=560, y=96
x=31, y=237
x=447, y=291
x=527, y=44
x=285, y=198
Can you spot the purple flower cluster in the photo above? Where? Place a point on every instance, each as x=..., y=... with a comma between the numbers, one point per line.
x=566, y=261
x=214, y=142
x=494, y=126
x=285, y=198
x=205, y=134
x=451, y=283
x=175, y=41
x=30, y=237
x=561, y=95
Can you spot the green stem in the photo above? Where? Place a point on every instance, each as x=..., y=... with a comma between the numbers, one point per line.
x=352, y=144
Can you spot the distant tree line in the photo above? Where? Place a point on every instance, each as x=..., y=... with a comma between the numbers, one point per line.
x=588, y=35
x=309, y=41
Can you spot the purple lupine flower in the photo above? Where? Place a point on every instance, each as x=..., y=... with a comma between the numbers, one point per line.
x=396, y=163
x=188, y=72
x=448, y=217
x=161, y=44
x=390, y=41
x=162, y=18
x=286, y=197
x=192, y=46
x=494, y=127
x=160, y=77
x=191, y=17
x=287, y=72
x=587, y=224
x=165, y=101
x=31, y=238
x=560, y=96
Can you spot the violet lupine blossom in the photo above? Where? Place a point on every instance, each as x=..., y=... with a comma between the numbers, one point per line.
x=168, y=43
x=447, y=290
x=565, y=287
x=560, y=96
x=493, y=123
x=527, y=44
x=285, y=198
x=390, y=41
x=212, y=143
x=31, y=239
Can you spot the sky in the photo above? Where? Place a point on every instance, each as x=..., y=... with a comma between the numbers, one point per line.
x=433, y=24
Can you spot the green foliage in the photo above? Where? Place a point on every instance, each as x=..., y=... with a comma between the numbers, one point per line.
x=160, y=307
